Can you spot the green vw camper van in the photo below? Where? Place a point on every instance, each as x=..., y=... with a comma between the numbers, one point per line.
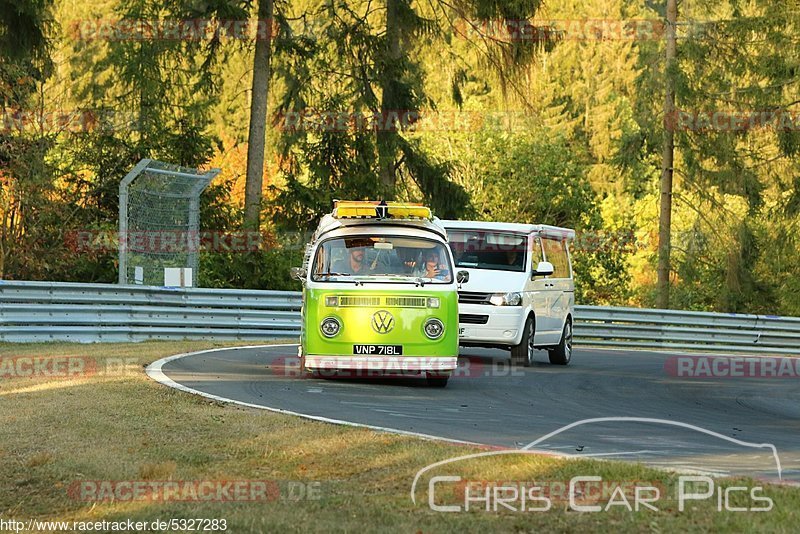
x=380, y=293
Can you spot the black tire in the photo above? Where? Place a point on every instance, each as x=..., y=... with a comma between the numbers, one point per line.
x=561, y=354
x=437, y=380
x=522, y=354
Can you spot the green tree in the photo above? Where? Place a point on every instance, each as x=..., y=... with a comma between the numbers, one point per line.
x=528, y=176
x=722, y=153
x=25, y=62
x=259, y=97
x=369, y=52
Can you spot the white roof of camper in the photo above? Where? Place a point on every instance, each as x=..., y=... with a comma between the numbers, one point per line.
x=519, y=228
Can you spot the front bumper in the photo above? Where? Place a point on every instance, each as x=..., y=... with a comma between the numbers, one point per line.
x=382, y=363
x=503, y=327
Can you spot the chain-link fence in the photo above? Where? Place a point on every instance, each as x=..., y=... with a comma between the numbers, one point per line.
x=159, y=224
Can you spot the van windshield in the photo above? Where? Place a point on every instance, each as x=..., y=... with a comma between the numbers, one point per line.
x=382, y=258
x=480, y=249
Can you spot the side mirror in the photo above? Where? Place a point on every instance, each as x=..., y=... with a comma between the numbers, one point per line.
x=462, y=277
x=298, y=273
x=545, y=268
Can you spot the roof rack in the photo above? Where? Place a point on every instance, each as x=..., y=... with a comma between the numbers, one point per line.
x=369, y=209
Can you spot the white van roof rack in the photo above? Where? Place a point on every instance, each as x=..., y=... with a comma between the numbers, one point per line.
x=542, y=229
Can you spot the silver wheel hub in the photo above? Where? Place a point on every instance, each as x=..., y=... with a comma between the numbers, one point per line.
x=568, y=340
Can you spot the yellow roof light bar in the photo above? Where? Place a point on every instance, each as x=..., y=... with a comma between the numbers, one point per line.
x=367, y=209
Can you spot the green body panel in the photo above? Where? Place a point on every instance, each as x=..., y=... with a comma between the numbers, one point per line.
x=357, y=322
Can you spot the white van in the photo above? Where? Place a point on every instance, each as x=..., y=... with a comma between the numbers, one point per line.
x=520, y=294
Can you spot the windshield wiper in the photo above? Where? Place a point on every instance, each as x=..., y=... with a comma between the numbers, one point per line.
x=333, y=274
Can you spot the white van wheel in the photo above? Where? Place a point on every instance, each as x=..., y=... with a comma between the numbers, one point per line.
x=522, y=354
x=561, y=354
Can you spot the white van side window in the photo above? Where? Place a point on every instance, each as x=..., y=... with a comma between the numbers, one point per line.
x=555, y=251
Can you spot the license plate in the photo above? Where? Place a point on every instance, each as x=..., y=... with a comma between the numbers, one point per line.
x=461, y=332
x=378, y=350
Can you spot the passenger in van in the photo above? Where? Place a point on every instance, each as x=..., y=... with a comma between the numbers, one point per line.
x=431, y=268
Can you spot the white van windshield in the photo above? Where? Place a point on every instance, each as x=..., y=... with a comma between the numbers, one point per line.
x=365, y=257
x=480, y=249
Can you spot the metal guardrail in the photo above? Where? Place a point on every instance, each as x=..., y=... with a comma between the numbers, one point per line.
x=57, y=311
x=684, y=330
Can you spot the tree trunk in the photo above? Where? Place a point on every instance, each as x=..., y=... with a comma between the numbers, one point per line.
x=386, y=137
x=665, y=221
x=258, y=119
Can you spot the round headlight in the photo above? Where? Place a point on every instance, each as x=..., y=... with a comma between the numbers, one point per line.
x=330, y=326
x=434, y=328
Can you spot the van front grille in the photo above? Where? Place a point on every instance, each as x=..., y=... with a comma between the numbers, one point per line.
x=469, y=297
x=359, y=301
x=367, y=301
x=469, y=318
x=406, y=302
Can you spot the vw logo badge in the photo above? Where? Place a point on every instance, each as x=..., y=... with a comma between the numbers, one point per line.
x=382, y=322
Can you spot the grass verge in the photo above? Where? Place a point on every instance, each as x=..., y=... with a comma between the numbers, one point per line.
x=107, y=423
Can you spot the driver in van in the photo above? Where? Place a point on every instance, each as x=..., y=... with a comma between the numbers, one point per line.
x=514, y=258
x=354, y=264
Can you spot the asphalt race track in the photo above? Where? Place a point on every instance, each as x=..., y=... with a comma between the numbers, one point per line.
x=490, y=403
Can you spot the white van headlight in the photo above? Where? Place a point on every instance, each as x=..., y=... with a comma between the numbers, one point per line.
x=506, y=299
x=330, y=326
x=434, y=328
